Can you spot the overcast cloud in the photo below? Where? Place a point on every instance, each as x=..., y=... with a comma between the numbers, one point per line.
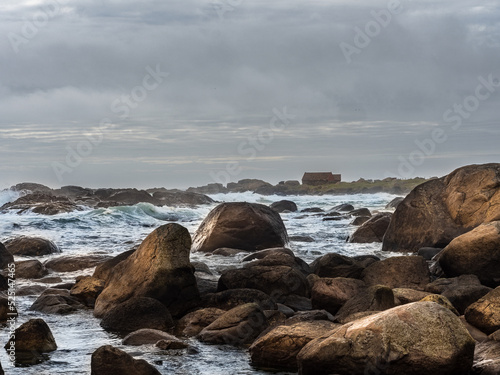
x=204, y=80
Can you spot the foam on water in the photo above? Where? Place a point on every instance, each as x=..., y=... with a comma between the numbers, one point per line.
x=114, y=230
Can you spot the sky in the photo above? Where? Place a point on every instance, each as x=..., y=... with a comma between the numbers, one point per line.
x=123, y=93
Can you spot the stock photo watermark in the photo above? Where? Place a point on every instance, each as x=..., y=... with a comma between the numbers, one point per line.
x=121, y=107
x=222, y=7
x=455, y=116
x=32, y=26
x=363, y=37
x=253, y=145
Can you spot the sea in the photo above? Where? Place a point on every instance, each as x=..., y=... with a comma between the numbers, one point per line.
x=110, y=231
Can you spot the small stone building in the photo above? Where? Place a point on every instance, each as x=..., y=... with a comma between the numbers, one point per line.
x=320, y=178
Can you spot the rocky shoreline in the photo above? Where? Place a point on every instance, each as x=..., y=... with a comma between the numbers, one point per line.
x=435, y=309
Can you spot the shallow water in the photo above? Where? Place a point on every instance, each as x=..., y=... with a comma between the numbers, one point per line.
x=114, y=230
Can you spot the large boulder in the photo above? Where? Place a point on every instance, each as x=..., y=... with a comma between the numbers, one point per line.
x=56, y=301
x=240, y=225
x=461, y=291
x=485, y=312
x=103, y=270
x=398, y=272
x=332, y=293
x=193, y=323
x=239, y=326
x=87, y=289
x=437, y=211
x=31, y=246
x=108, y=360
x=159, y=269
x=31, y=340
x=372, y=230
x=415, y=339
x=137, y=313
x=228, y=299
x=30, y=269
x=278, y=348
x=476, y=252
x=336, y=265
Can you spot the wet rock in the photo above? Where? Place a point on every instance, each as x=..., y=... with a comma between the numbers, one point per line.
x=181, y=198
x=42, y=203
x=239, y=326
x=227, y=252
x=343, y=207
x=429, y=252
x=32, y=339
x=485, y=312
x=495, y=335
x=32, y=187
x=309, y=316
x=414, y=339
x=476, y=252
x=194, y=322
x=279, y=256
x=87, y=289
x=372, y=230
x=476, y=334
x=6, y=309
x=301, y=239
x=336, y=265
x=30, y=269
x=137, y=313
x=104, y=269
x=360, y=220
x=147, y=336
x=487, y=358
x=129, y=197
x=31, y=290
x=6, y=257
x=67, y=263
x=394, y=203
x=108, y=360
x=213, y=188
x=312, y=209
x=398, y=272
x=240, y=225
x=159, y=268
x=461, y=291
x=332, y=293
x=278, y=348
x=61, y=303
x=231, y=298
x=437, y=211
x=360, y=212
x=171, y=344
x=374, y=298
x=284, y=205
x=31, y=246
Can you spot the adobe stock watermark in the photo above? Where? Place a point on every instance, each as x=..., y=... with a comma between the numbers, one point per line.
x=454, y=116
x=32, y=26
x=222, y=7
x=121, y=107
x=363, y=37
x=253, y=145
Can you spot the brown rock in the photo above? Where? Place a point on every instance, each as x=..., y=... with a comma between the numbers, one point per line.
x=336, y=265
x=137, y=313
x=6, y=309
x=485, y=312
x=414, y=339
x=476, y=334
x=239, y=326
x=104, y=269
x=42, y=203
x=6, y=257
x=360, y=220
x=284, y=205
x=31, y=246
x=56, y=302
x=398, y=272
x=440, y=300
x=67, y=263
x=374, y=298
x=332, y=293
x=87, y=289
x=30, y=269
x=227, y=252
x=171, y=344
x=159, y=268
x=461, y=291
x=476, y=252
x=240, y=225
x=194, y=322
x=34, y=335
x=406, y=295
x=228, y=299
x=437, y=211
x=108, y=360
x=147, y=336
x=372, y=230
x=278, y=348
